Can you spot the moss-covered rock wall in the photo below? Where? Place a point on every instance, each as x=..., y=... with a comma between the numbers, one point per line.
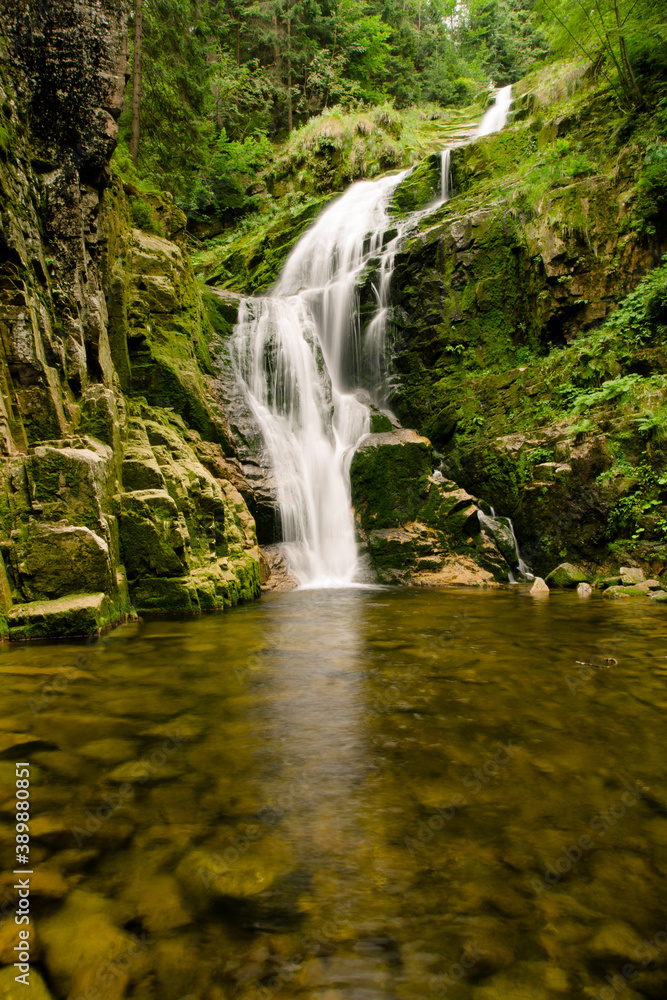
x=119, y=482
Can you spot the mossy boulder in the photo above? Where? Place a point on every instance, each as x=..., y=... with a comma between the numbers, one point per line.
x=417, y=527
x=58, y=559
x=390, y=478
x=566, y=576
x=73, y=615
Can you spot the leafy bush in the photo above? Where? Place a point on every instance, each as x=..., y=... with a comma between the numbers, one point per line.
x=142, y=215
x=652, y=191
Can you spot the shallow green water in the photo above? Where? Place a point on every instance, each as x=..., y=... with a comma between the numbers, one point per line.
x=363, y=794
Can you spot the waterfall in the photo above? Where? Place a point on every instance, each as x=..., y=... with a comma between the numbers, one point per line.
x=445, y=174
x=496, y=115
x=301, y=356
x=302, y=359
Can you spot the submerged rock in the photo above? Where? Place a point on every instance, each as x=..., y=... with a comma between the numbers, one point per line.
x=11, y=990
x=205, y=875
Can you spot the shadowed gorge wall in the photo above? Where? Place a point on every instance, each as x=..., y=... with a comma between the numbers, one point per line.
x=117, y=465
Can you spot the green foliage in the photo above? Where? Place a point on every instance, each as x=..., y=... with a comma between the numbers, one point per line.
x=510, y=36
x=622, y=39
x=628, y=515
x=142, y=215
x=612, y=389
x=219, y=77
x=652, y=191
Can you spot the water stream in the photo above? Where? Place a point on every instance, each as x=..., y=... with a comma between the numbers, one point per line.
x=302, y=356
x=349, y=794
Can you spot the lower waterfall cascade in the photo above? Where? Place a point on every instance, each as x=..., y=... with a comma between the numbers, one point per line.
x=305, y=364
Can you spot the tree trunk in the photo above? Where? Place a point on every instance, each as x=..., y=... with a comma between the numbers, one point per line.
x=136, y=80
x=632, y=81
x=276, y=44
x=289, y=73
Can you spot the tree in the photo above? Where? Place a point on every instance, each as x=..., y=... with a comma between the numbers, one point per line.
x=136, y=79
x=605, y=31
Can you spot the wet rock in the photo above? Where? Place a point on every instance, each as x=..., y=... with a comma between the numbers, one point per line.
x=9, y=938
x=614, y=941
x=659, y=596
x=75, y=615
x=157, y=900
x=539, y=588
x=83, y=942
x=584, y=590
x=278, y=576
x=566, y=576
x=108, y=751
x=486, y=953
x=205, y=875
x=11, y=990
x=630, y=575
x=523, y=981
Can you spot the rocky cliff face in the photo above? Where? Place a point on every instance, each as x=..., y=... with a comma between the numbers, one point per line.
x=510, y=352
x=119, y=482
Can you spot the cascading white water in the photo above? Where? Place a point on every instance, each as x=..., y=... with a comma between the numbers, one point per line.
x=300, y=354
x=301, y=357
x=495, y=117
x=445, y=174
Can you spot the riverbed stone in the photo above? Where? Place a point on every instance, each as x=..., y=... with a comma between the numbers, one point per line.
x=615, y=940
x=634, y=590
x=11, y=990
x=82, y=938
x=566, y=575
x=206, y=875
x=539, y=587
x=584, y=590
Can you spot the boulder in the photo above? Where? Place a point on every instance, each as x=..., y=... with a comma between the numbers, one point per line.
x=584, y=590
x=539, y=587
x=631, y=575
x=56, y=560
x=566, y=576
x=74, y=615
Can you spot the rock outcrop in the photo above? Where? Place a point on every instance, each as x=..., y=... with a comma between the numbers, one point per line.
x=119, y=479
x=417, y=527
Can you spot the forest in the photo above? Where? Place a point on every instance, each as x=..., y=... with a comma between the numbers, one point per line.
x=218, y=87
x=333, y=499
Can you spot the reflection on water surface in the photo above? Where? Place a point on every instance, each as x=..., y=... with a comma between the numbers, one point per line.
x=348, y=794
